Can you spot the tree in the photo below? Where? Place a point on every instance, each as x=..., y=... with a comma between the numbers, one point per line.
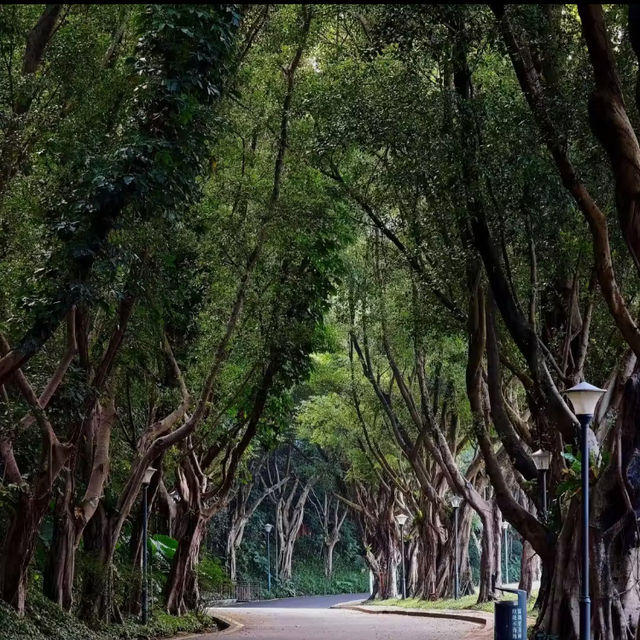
x=332, y=517
x=244, y=508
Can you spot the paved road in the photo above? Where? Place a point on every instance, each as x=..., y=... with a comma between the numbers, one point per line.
x=305, y=602
x=311, y=619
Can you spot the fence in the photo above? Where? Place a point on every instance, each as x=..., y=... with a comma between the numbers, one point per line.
x=240, y=591
x=248, y=591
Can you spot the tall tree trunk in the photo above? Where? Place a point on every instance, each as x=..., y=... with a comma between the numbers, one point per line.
x=527, y=567
x=234, y=540
x=464, y=567
x=72, y=512
x=378, y=530
x=182, y=586
x=489, y=570
x=329, y=547
x=19, y=546
x=60, y=567
x=96, y=603
x=289, y=518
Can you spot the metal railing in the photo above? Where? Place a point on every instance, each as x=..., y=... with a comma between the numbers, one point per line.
x=246, y=591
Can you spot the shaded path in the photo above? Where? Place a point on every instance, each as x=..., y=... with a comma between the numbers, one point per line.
x=310, y=619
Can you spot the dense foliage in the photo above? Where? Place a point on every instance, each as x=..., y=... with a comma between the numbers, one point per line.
x=318, y=266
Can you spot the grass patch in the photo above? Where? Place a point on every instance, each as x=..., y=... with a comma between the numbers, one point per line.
x=44, y=620
x=465, y=602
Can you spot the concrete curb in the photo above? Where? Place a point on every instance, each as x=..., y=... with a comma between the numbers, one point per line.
x=483, y=620
x=229, y=624
x=225, y=625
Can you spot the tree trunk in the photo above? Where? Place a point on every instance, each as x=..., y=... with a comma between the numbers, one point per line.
x=384, y=567
x=375, y=517
x=60, y=568
x=434, y=558
x=289, y=518
x=18, y=548
x=488, y=569
x=234, y=540
x=527, y=567
x=464, y=568
x=235, y=537
x=182, y=585
x=134, y=586
x=232, y=564
x=95, y=601
x=329, y=548
x=286, y=559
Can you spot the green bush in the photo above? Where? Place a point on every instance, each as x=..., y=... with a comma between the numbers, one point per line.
x=309, y=580
x=44, y=620
x=212, y=575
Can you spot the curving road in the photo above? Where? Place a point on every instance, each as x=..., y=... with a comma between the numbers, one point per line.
x=311, y=618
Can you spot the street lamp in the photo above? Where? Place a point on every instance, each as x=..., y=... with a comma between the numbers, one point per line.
x=401, y=519
x=268, y=528
x=584, y=398
x=542, y=461
x=455, y=502
x=505, y=527
x=148, y=474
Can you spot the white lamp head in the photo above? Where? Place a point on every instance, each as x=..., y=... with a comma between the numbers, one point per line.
x=401, y=518
x=148, y=474
x=505, y=525
x=268, y=528
x=455, y=501
x=584, y=398
x=542, y=459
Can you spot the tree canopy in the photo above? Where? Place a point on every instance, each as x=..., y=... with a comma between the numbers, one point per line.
x=323, y=264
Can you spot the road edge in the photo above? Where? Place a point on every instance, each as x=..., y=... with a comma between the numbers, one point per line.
x=483, y=621
x=230, y=624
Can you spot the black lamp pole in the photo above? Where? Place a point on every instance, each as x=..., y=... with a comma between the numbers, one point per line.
x=505, y=527
x=404, y=577
x=267, y=529
x=145, y=603
x=585, y=600
x=269, y=561
x=401, y=519
x=584, y=398
x=148, y=474
x=457, y=576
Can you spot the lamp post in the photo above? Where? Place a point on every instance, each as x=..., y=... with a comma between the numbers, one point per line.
x=148, y=474
x=276, y=556
x=584, y=398
x=505, y=528
x=455, y=502
x=542, y=460
x=401, y=519
x=268, y=528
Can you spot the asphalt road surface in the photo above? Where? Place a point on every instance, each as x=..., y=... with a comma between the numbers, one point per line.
x=311, y=619
x=306, y=602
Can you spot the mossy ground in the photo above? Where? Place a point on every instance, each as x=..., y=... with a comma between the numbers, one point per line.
x=44, y=620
